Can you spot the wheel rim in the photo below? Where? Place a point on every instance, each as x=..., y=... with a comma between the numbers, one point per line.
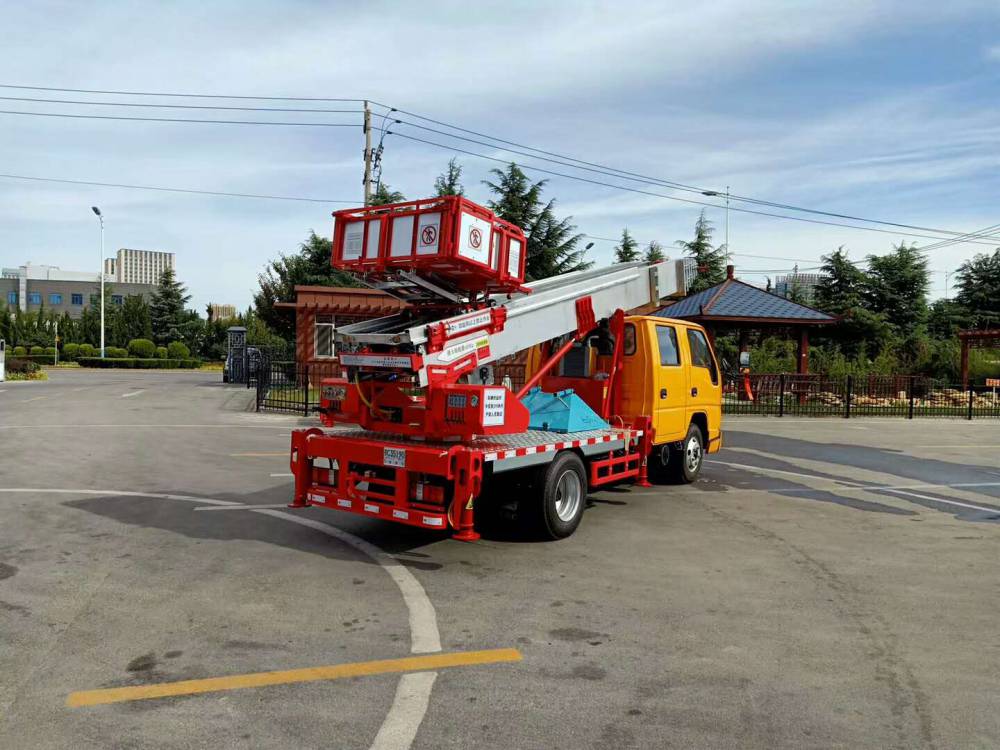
x=692, y=454
x=569, y=495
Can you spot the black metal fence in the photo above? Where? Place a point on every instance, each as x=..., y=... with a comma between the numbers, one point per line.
x=295, y=388
x=290, y=387
x=870, y=396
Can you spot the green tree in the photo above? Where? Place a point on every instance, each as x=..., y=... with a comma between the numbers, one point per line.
x=945, y=317
x=896, y=286
x=711, y=260
x=654, y=252
x=627, y=249
x=841, y=284
x=385, y=194
x=311, y=265
x=979, y=289
x=132, y=320
x=167, y=307
x=449, y=182
x=552, y=242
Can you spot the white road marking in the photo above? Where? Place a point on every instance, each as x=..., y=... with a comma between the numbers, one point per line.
x=902, y=489
x=242, y=507
x=36, y=398
x=409, y=706
x=125, y=425
x=133, y=393
x=282, y=475
x=946, y=502
x=3, y=390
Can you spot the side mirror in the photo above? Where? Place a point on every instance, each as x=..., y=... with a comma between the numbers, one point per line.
x=744, y=359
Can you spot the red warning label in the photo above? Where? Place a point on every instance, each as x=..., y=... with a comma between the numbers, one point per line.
x=475, y=238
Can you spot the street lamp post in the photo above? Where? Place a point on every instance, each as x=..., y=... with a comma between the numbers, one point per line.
x=715, y=194
x=100, y=267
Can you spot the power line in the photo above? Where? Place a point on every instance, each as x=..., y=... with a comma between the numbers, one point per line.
x=637, y=177
x=173, y=190
x=179, y=106
x=186, y=120
x=184, y=96
x=588, y=166
x=947, y=243
x=674, y=197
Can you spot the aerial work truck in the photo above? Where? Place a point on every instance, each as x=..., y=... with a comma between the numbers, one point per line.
x=423, y=429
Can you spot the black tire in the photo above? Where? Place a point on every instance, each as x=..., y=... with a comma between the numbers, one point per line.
x=687, y=459
x=561, y=494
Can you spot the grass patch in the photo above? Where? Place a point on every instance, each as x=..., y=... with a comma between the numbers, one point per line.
x=38, y=375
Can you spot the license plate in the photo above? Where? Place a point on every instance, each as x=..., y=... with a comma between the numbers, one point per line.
x=394, y=457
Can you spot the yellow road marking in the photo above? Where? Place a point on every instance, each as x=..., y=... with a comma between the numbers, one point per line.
x=308, y=674
x=259, y=455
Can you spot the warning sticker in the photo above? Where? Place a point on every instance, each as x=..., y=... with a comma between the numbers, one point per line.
x=494, y=406
x=453, y=327
x=428, y=228
x=453, y=352
x=354, y=236
x=475, y=238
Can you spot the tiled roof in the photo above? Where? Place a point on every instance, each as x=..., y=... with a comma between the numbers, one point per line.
x=734, y=299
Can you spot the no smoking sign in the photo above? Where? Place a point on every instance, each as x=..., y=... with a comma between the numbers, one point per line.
x=428, y=235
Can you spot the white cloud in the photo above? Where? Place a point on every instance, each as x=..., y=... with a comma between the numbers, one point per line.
x=992, y=53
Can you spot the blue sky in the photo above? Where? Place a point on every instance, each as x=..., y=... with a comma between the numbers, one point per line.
x=878, y=109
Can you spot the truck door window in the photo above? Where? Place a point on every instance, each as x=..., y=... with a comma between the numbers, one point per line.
x=701, y=355
x=628, y=340
x=666, y=338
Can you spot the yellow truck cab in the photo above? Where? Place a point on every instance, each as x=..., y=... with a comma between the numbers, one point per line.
x=670, y=373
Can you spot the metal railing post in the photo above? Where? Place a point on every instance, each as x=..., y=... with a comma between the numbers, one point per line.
x=781, y=395
x=847, y=396
x=910, y=389
x=971, y=395
x=305, y=398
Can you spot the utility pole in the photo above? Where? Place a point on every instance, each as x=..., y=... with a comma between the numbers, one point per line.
x=368, y=154
x=100, y=217
x=716, y=194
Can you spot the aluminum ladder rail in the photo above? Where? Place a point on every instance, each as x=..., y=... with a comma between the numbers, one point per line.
x=547, y=312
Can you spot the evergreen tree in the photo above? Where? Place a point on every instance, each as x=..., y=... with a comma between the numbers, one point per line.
x=449, y=181
x=133, y=320
x=628, y=249
x=654, y=252
x=311, y=265
x=552, y=242
x=840, y=287
x=385, y=194
x=167, y=308
x=711, y=261
x=945, y=317
x=979, y=289
x=896, y=286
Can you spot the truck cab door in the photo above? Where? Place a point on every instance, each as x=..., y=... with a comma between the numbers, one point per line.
x=705, y=390
x=670, y=384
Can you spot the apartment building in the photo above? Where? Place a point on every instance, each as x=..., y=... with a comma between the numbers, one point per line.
x=138, y=266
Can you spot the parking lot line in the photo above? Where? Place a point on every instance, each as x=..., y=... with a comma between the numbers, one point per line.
x=133, y=393
x=36, y=398
x=309, y=674
x=242, y=507
x=261, y=454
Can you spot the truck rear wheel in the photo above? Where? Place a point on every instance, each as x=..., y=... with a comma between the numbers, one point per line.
x=563, y=488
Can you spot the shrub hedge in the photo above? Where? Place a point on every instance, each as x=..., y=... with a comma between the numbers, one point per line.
x=142, y=348
x=70, y=351
x=161, y=352
x=20, y=351
x=23, y=366
x=134, y=363
x=86, y=350
x=36, y=350
x=178, y=350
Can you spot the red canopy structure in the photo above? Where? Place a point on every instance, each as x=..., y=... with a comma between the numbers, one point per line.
x=973, y=339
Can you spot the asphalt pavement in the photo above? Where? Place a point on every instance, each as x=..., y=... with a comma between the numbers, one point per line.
x=828, y=583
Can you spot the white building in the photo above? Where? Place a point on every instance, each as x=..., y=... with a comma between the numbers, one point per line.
x=138, y=266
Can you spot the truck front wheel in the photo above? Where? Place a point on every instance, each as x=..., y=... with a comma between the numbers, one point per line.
x=563, y=486
x=685, y=462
